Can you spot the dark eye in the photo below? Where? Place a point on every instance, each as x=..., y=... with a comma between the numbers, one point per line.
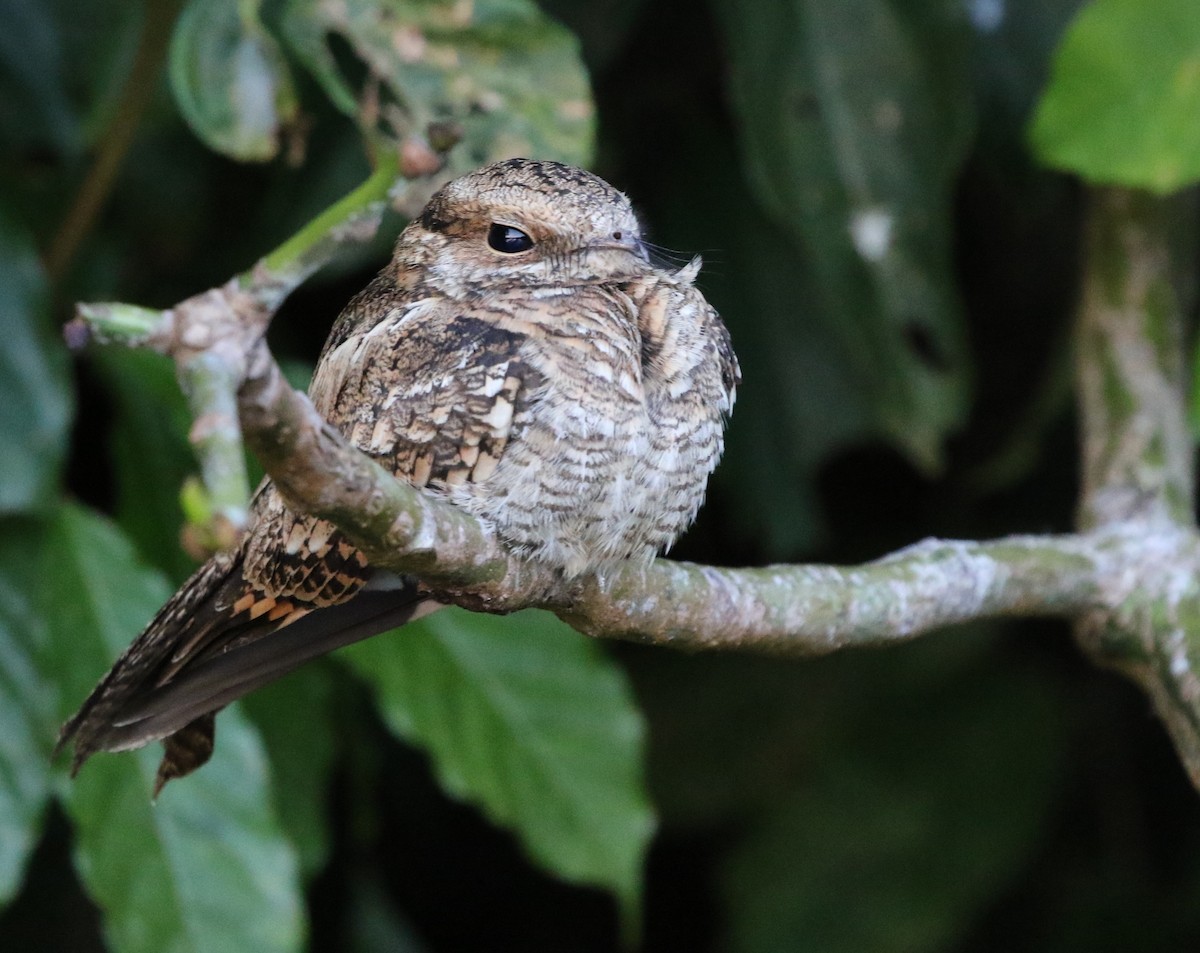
x=507, y=239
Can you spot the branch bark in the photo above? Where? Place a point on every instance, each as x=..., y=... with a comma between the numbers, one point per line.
x=1138, y=456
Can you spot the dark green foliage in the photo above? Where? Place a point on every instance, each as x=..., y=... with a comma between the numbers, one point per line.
x=898, y=273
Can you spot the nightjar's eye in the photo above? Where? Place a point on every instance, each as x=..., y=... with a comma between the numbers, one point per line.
x=507, y=239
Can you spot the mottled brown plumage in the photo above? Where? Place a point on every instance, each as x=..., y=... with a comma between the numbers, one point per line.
x=520, y=356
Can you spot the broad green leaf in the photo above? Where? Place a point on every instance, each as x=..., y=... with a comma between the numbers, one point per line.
x=230, y=78
x=207, y=867
x=508, y=74
x=301, y=751
x=35, y=389
x=896, y=839
x=1123, y=102
x=854, y=121
x=530, y=721
x=28, y=722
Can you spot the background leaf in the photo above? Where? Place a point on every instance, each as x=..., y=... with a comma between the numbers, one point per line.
x=854, y=124
x=864, y=810
x=27, y=718
x=301, y=751
x=1122, y=103
x=230, y=78
x=35, y=394
x=529, y=720
x=509, y=75
x=204, y=869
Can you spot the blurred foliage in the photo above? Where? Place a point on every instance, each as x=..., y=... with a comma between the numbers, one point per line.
x=35, y=396
x=230, y=79
x=854, y=120
x=1133, y=68
x=898, y=272
x=506, y=72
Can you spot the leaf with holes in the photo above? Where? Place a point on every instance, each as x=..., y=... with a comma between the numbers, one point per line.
x=506, y=73
x=528, y=719
x=855, y=118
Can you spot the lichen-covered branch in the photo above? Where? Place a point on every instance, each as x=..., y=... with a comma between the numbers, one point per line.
x=1128, y=579
x=814, y=610
x=1138, y=455
x=792, y=609
x=1137, y=451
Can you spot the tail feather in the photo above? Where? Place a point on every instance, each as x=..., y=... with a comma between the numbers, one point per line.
x=215, y=682
x=204, y=649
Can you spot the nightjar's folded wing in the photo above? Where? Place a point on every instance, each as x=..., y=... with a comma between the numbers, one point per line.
x=434, y=395
x=433, y=391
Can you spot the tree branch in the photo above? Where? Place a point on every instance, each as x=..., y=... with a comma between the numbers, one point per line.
x=1137, y=452
x=1129, y=579
x=1138, y=455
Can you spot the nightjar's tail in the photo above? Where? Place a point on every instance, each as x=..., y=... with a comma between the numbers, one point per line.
x=215, y=640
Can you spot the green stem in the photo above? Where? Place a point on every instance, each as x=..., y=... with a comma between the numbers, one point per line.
x=353, y=218
x=114, y=323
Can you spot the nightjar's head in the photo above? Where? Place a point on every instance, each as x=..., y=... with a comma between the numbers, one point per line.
x=524, y=223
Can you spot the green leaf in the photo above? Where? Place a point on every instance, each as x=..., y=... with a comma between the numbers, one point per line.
x=301, y=752
x=508, y=74
x=35, y=390
x=899, y=836
x=204, y=869
x=24, y=713
x=531, y=721
x=1124, y=98
x=855, y=118
x=230, y=78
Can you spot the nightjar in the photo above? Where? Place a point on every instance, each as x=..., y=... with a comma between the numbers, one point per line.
x=521, y=357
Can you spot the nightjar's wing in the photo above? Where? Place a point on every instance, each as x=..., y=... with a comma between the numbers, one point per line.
x=435, y=395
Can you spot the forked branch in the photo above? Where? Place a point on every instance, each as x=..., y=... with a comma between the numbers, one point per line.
x=1129, y=579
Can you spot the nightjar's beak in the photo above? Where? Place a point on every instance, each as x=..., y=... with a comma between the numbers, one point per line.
x=628, y=243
